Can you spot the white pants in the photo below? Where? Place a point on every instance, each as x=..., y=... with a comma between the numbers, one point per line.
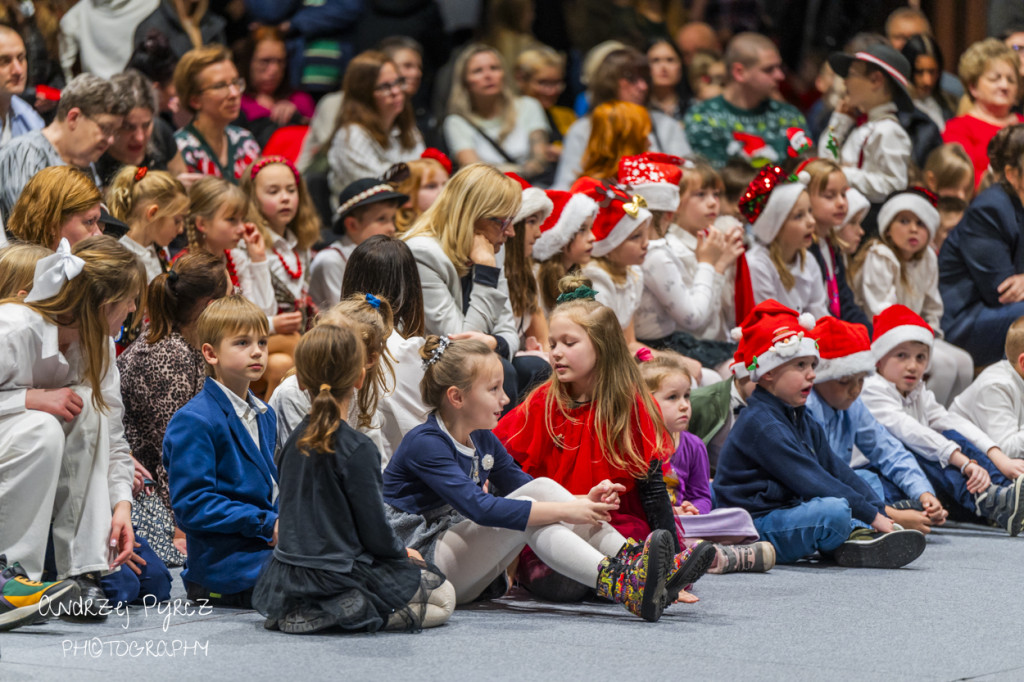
x=952, y=371
x=52, y=470
x=472, y=556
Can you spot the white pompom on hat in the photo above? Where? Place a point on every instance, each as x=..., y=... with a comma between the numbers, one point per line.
x=773, y=335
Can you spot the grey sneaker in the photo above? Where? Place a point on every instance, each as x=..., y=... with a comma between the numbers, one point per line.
x=869, y=549
x=1004, y=506
x=756, y=558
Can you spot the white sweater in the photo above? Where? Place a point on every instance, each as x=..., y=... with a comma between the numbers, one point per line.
x=995, y=402
x=878, y=285
x=624, y=298
x=808, y=293
x=918, y=419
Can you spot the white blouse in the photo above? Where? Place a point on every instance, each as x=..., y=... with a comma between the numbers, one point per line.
x=808, y=293
x=878, y=284
x=327, y=271
x=623, y=298
x=148, y=256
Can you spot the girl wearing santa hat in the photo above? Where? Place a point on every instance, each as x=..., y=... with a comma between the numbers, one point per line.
x=779, y=210
x=565, y=242
x=900, y=267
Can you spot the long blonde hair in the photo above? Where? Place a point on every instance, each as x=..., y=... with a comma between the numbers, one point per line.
x=18, y=266
x=460, y=103
x=127, y=194
x=477, y=191
x=206, y=197
x=618, y=387
x=111, y=274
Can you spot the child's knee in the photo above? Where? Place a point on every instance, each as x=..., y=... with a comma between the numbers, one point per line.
x=544, y=489
x=121, y=587
x=835, y=520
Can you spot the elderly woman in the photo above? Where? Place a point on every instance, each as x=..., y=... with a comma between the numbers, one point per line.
x=209, y=86
x=989, y=71
x=980, y=261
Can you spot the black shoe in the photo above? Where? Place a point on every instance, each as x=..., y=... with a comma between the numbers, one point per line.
x=305, y=621
x=908, y=504
x=869, y=549
x=91, y=606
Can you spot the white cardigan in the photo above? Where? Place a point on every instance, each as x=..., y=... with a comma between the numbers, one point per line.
x=878, y=285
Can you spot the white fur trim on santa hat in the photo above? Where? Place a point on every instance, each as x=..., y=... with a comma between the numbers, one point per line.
x=534, y=200
x=913, y=202
x=620, y=232
x=780, y=203
x=577, y=211
x=660, y=196
x=796, y=346
x=856, y=204
x=897, y=335
x=738, y=370
x=846, y=366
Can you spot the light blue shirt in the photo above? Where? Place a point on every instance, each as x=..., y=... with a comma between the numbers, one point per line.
x=24, y=118
x=856, y=426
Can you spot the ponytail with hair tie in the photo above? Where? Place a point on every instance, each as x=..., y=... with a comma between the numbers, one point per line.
x=325, y=387
x=172, y=276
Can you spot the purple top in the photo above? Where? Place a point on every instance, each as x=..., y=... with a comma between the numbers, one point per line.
x=690, y=465
x=254, y=110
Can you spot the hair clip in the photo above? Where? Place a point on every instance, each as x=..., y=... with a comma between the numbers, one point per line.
x=435, y=355
x=373, y=301
x=262, y=163
x=580, y=293
x=172, y=276
x=53, y=272
x=396, y=174
x=141, y=173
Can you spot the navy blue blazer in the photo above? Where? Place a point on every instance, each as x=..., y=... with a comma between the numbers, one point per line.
x=222, y=490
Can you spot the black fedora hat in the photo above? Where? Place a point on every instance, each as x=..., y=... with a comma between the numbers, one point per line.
x=892, y=63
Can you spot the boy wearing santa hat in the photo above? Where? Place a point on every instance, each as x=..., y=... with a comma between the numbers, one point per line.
x=777, y=463
x=879, y=458
x=963, y=463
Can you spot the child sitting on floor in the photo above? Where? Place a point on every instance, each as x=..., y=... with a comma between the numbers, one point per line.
x=777, y=463
x=218, y=453
x=968, y=470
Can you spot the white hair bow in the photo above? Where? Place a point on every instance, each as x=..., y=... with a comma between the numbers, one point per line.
x=53, y=271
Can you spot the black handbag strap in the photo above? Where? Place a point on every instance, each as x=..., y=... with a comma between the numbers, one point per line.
x=493, y=142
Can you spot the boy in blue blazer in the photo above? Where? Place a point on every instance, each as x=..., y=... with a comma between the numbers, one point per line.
x=218, y=452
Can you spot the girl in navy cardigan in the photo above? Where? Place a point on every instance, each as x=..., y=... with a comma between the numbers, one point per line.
x=442, y=488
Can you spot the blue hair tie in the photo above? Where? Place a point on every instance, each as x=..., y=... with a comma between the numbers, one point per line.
x=373, y=301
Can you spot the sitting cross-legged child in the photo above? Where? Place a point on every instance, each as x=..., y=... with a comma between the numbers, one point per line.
x=218, y=453
x=995, y=401
x=856, y=436
x=777, y=463
x=969, y=471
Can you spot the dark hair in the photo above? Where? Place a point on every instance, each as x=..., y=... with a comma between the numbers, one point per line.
x=385, y=267
x=176, y=297
x=625, y=63
x=360, y=108
x=1006, y=148
x=154, y=58
x=247, y=51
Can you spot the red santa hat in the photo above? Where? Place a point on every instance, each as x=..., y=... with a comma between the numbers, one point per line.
x=570, y=212
x=655, y=177
x=898, y=324
x=773, y=335
x=844, y=347
x=769, y=199
x=534, y=200
x=918, y=201
x=618, y=213
x=738, y=366
x=799, y=142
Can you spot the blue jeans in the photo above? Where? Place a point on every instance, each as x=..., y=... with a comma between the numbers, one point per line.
x=820, y=525
x=950, y=485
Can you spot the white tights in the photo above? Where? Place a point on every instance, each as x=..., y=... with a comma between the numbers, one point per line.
x=472, y=556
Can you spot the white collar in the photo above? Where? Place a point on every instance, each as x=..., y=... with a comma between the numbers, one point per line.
x=464, y=450
x=240, y=406
x=887, y=110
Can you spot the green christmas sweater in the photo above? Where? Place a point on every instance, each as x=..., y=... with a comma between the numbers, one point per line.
x=719, y=131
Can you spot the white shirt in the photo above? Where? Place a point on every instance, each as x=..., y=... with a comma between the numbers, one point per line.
x=32, y=359
x=918, y=419
x=808, y=293
x=530, y=117
x=995, y=403
x=878, y=284
x=146, y=255
x=623, y=298
x=246, y=410
x=875, y=156
x=402, y=409
x=354, y=155
x=720, y=309
x=286, y=248
x=327, y=271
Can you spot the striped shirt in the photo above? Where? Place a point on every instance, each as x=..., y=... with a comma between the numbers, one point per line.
x=20, y=159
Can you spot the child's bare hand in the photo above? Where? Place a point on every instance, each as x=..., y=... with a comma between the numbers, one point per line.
x=687, y=509
x=135, y=561
x=606, y=492
x=933, y=508
x=288, y=323
x=711, y=244
x=883, y=524
x=62, y=403
x=254, y=244
x=585, y=511
x=1012, y=468
x=978, y=479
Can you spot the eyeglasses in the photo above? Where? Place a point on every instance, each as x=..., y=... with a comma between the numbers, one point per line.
x=397, y=84
x=270, y=61
x=503, y=223
x=108, y=129
x=239, y=83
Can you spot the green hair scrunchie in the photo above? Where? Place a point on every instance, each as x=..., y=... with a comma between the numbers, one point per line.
x=580, y=293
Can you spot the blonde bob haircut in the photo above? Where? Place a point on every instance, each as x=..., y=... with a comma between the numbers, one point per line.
x=18, y=266
x=226, y=317
x=48, y=200
x=477, y=191
x=111, y=274
x=979, y=56
x=461, y=104
x=126, y=195
x=191, y=64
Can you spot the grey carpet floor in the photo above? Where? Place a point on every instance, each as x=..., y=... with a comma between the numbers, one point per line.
x=950, y=615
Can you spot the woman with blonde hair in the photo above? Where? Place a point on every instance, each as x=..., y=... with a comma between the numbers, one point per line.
x=487, y=123
x=455, y=243
x=540, y=74
x=617, y=129
x=58, y=202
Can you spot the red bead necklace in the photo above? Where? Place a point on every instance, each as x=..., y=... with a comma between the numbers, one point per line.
x=297, y=272
x=232, y=272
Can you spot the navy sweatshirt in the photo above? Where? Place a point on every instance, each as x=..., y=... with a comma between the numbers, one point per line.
x=776, y=456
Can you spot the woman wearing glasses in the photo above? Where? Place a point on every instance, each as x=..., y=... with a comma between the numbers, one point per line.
x=376, y=127
x=269, y=102
x=455, y=243
x=208, y=85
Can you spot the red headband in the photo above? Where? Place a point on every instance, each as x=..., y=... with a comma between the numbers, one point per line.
x=265, y=161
